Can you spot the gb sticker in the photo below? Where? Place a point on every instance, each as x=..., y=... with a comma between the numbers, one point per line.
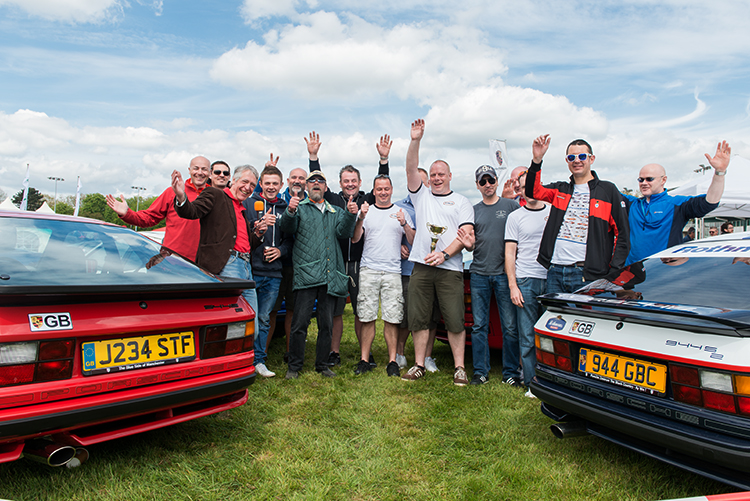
x=50, y=322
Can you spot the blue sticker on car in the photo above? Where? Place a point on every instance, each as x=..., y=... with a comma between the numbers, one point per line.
x=555, y=324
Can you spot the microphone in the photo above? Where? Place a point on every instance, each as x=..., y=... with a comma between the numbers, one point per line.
x=259, y=206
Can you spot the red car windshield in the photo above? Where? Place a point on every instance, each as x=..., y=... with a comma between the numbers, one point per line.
x=58, y=252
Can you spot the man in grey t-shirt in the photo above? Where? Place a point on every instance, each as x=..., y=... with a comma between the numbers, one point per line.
x=488, y=273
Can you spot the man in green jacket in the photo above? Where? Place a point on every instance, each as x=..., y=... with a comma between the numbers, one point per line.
x=318, y=268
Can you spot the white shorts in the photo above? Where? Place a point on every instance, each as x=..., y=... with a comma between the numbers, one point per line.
x=380, y=287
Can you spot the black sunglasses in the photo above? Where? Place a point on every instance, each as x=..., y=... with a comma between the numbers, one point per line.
x=649, y=179
x=221, y=173
x=486, y=179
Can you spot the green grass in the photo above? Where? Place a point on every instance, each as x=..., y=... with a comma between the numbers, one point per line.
x=366, y=437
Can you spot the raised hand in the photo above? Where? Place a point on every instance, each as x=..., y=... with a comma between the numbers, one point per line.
x=119, y=206
x=351, y=205
x=466, y=238
x=272, y=162
x=417, y=129
x=508, y=189
x=363, y=210
x=313, y=145
x=384, y=146
x=401, y=217
x=720, y=161
x=539, y=147
x=178, y=185
x=269, y=218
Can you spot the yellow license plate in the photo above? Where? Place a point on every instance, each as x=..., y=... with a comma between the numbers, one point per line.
x=628, y=372
x=115, y=355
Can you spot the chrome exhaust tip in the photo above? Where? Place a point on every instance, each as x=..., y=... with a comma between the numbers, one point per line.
x=48, y=452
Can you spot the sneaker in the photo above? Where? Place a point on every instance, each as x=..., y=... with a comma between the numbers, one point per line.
x=372, y=361
x=459, y=377
x=413, y=374
x=479, y=379
x=334, y=358
x=429, y=364
x=516, y=383
x=327, y=373
x=263, y=370
x=529, y=394
x=401, y=361
x=362, y=367
x=292, y=375
x=392, y=369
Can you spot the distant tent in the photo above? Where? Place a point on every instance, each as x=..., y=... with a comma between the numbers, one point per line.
x=8, y=205
x=45, y=209
x=735, y=202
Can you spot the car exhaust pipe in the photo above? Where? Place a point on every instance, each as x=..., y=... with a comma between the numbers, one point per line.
x=48, y=452
x=81, y=457
x=567, y=429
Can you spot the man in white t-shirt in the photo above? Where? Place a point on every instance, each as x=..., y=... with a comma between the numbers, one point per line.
x=436, y=253
x=382, y=226
x=526, y=279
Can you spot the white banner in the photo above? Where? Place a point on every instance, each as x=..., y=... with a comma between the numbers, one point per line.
x=78, y=196
x=500, y=161
x=25, y=199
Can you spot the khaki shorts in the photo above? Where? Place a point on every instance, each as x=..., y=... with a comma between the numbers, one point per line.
x=428, y=283
x=405, y=322
x=380, y=287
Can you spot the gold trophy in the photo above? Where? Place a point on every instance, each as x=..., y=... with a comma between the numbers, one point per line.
x=436, y=232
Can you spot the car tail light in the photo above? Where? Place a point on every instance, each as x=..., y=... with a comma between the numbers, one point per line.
x=227, y=339
x=32, y=362
x=711, y=389
x=554, y=352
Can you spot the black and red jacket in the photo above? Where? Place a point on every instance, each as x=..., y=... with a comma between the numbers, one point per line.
x=608, y=240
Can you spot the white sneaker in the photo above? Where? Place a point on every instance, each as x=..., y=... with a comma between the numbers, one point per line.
x=429, y=364
x=401, y=361
x=263, y=370
x=529, y=394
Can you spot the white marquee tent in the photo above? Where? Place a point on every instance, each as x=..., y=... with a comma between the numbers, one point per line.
x=735, y=203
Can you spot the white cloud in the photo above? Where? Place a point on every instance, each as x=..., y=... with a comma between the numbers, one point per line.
x=79, y=11
x=253, y=10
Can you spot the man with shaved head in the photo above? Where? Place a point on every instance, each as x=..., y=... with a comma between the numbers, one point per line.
x=657, y=219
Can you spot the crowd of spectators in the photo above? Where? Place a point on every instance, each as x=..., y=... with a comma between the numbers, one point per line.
x=312, y=249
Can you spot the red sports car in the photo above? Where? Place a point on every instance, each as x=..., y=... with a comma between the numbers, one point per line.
x=104, y=335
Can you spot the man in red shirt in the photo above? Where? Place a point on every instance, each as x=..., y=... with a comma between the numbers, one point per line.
x=181, y=235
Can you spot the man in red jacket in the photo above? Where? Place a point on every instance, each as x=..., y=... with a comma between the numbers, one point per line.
x=181, y=235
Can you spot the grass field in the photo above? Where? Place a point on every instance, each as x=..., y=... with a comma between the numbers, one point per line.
x=364, y=437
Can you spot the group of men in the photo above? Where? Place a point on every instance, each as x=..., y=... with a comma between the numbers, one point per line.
x=313, y=248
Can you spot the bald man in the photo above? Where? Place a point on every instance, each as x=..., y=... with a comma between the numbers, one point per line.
x=657, y=219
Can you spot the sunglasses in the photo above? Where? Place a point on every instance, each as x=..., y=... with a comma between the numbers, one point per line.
x=581, y=156
x=486, y=179
x=649, y=179
x=317, y=180
x=221, y=173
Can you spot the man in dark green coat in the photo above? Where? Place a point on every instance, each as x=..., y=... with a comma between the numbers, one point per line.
x=318, y=268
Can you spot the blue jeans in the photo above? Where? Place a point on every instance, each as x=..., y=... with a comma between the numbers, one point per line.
x=239, y=268
x=564, y=278
x=526, y=317
x=267, y=288
x=482, y=287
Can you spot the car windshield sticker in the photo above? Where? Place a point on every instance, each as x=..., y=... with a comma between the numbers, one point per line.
x=50, y=322
x=729, y=249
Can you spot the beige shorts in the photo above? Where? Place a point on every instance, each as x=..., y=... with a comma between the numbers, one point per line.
x=383, y=288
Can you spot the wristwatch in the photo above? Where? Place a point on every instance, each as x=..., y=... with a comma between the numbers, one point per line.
x=446, y=256
x=720, y=173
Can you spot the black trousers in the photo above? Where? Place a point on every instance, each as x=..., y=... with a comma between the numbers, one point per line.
x=304, y=301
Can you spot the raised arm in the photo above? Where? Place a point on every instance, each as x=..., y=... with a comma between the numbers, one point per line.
x=409, y=232
x=720, y=162
x=313, y=146
x=384, y=150
x=413, y=179
x=358, y=230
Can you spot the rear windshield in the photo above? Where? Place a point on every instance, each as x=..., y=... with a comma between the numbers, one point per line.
x=46, y=252
x=719, y=282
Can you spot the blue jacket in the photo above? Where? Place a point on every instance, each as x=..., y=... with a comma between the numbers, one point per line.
x=657, y=224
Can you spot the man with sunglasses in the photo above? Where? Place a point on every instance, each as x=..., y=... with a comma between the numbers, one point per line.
x=318, y=268
x=488, y=276
x=587, y=235
x=220, y=174
x=657, y=219
x=181, y=235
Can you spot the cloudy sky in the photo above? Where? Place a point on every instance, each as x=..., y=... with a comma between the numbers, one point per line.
x=120, y=92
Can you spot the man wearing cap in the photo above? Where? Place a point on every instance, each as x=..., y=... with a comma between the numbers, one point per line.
x=318, y=268
x=488, y=276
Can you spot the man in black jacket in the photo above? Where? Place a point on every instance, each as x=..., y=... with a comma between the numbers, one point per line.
x=350, y=183
x=587, y=236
